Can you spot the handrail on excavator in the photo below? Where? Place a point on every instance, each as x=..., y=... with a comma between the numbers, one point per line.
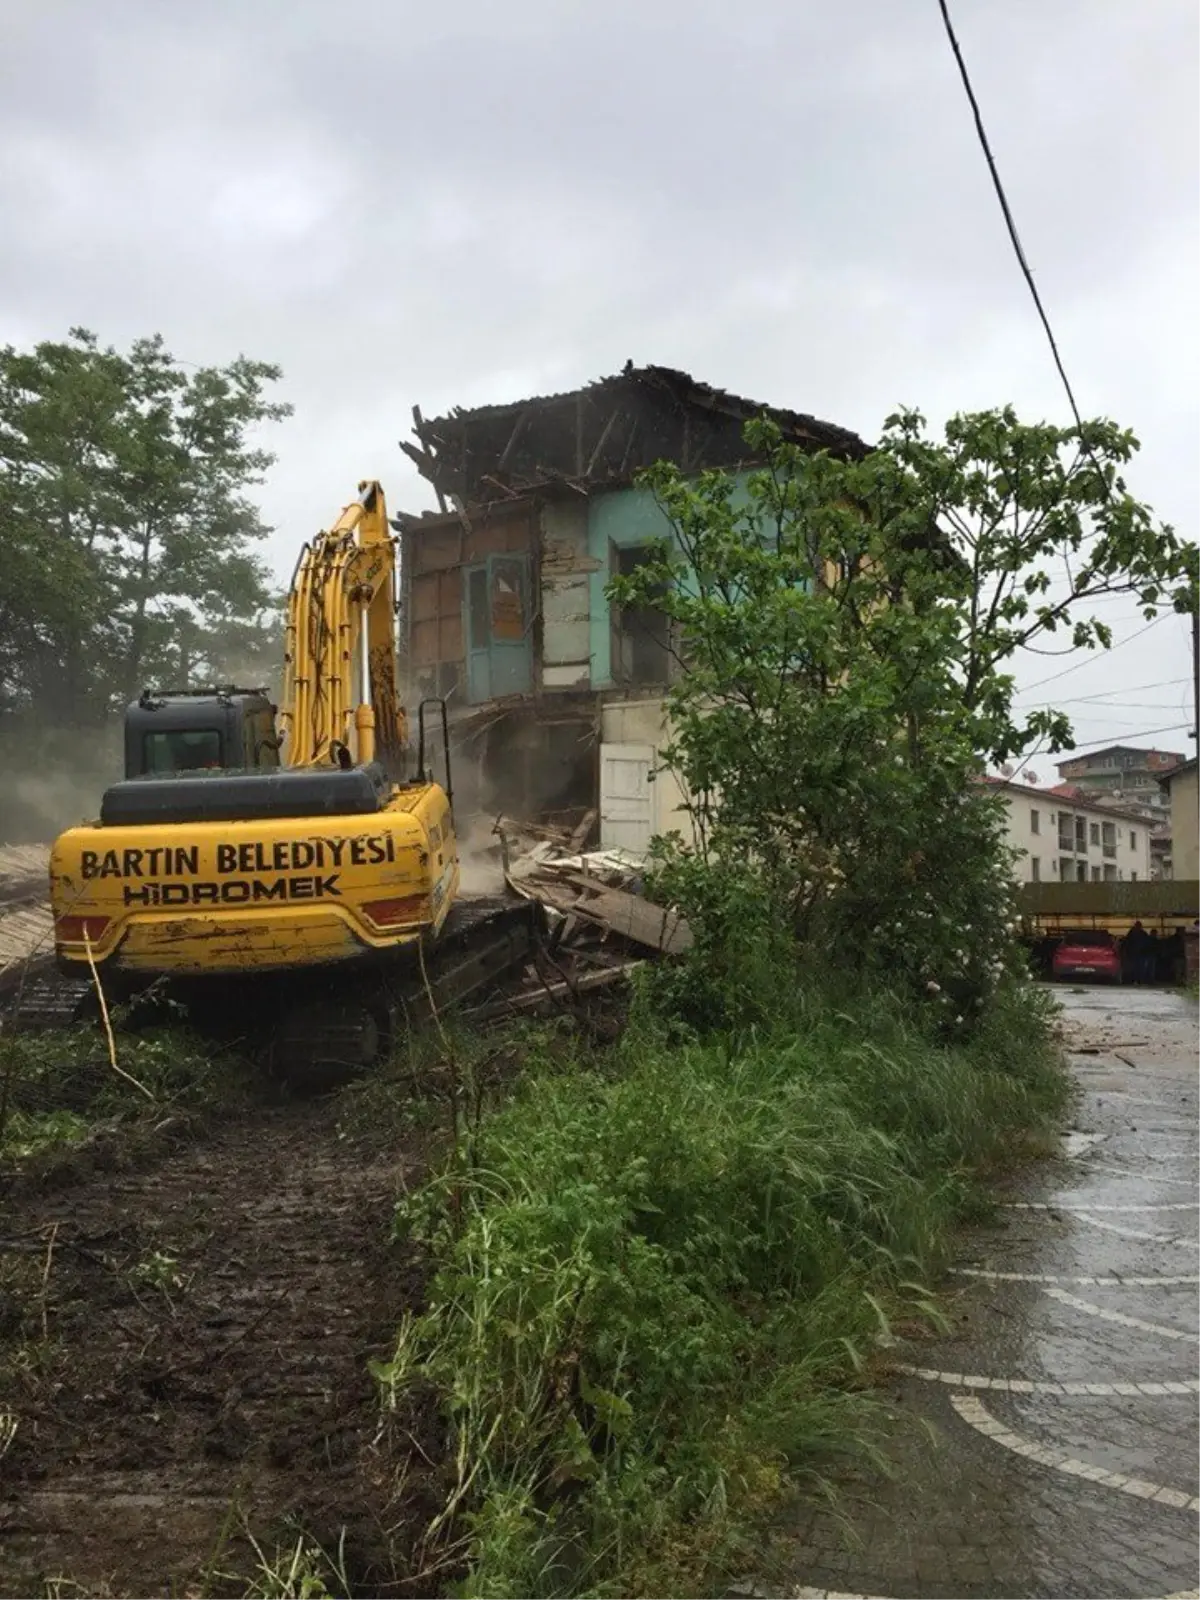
x=441, y=704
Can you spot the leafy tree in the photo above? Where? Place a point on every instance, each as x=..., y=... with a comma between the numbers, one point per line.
x=844, y=638
x=1043, y=523
x=125, y=522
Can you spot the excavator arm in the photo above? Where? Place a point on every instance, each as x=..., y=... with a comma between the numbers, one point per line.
x=340, y=697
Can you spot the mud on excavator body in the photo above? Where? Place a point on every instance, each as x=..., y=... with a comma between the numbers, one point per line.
x=328, y=867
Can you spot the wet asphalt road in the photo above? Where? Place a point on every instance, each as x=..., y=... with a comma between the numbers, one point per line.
x=1061, y=1452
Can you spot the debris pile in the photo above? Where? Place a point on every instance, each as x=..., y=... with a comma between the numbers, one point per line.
x=26, y=925
x=601, y=926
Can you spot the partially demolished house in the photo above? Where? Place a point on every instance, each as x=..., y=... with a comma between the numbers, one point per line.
x=556, y=697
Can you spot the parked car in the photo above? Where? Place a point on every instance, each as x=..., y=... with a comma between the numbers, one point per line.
x=1087, y=954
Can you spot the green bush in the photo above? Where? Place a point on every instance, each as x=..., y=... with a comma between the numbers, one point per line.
x=655, y=1286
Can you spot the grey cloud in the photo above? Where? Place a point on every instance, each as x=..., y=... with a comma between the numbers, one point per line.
x=401, y=204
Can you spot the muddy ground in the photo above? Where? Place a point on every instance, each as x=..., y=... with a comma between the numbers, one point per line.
x=184, y=1344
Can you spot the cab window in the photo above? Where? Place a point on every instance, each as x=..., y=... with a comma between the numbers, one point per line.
x=182, y=750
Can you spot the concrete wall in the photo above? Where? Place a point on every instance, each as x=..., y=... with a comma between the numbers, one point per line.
x=1185, y=824
x=1029, y=809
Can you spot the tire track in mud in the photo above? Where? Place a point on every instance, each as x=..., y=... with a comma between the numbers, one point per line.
x=184, y=1347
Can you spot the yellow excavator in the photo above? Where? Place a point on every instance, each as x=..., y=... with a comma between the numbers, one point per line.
x=298, y=876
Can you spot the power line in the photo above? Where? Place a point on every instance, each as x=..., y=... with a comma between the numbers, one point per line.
x=1133, y=728
x=1094, y=712
x=1054, y=676
x=1012, y=227
x=1130, y=688
x=1027, y=273
x=1146, y=733
x=1091, y=744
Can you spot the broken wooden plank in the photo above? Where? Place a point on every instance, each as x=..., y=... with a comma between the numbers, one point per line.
x=545, y=996
x=518, y=428
x=505, y=824
x=582, y=833
x=656, y=927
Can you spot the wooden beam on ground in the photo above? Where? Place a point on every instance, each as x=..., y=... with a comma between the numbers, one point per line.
x=545, y=997
x=655, y=927
x=582, y=833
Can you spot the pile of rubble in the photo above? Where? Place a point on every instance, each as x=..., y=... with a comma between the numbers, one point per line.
x=26, y=925
x=601, y=926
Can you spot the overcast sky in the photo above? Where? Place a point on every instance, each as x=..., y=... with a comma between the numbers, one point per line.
x=477, y=202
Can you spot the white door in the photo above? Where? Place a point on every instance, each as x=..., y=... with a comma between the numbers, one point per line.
x=626, y=797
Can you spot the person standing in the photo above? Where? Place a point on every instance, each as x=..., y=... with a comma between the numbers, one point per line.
x=1133, y=953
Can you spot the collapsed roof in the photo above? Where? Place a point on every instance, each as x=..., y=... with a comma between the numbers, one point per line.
x=601, y=434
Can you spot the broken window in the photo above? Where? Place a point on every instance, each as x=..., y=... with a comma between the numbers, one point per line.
x=640, y=634
x=508, y=598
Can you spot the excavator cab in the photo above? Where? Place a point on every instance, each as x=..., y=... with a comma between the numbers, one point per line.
x=194, y=731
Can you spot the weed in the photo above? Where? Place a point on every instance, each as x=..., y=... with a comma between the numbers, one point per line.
x=30, y=1132
x=302, y=1570
x=663, y=1278
x=159, y=1270
x=61, y=1083
x=60, y=1587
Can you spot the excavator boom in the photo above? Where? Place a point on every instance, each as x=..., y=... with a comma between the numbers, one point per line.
x=340, y=691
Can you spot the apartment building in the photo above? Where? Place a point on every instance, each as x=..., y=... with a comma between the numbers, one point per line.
x=1060, y=836
x=1122, y=771
x=1180, y=787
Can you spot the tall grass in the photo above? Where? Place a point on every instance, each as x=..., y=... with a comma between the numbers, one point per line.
x=658, y=1285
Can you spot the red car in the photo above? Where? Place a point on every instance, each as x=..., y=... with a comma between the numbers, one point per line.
x=1087, y=955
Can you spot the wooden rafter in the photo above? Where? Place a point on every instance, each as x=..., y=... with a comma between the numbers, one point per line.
x=518, y=427
x=504, y=488
x=602, y=440
x=629, y=446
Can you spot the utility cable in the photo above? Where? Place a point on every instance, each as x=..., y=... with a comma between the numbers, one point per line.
x=1012, y=228
x=1087, y=661
x=1133, y=688
x=1027, y=273
x=1147, y=733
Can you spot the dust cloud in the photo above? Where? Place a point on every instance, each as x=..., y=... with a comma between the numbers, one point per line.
x=480, y=865
x=53, y=779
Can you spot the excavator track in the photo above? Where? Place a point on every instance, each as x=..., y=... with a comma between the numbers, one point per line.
x=318, y=1028
x=45, y=999
x=325, y=1036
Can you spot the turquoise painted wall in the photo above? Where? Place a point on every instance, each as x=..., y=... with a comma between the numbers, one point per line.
x=624, y=517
